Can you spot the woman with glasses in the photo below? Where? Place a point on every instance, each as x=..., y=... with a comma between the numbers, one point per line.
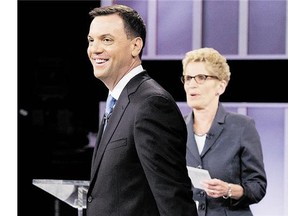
x=224, y=143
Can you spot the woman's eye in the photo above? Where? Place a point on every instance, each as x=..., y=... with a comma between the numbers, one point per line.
x=201, y=77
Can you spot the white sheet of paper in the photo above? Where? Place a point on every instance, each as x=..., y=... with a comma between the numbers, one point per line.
x=197, y=176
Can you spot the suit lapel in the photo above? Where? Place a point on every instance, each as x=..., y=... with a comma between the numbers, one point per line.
x=97, y=143
x=212, y=136
x=192, y=150
x=118, y=111
x=215, y=130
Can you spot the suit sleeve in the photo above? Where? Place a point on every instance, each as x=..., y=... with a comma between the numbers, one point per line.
x=160, y=137
x=253, y=174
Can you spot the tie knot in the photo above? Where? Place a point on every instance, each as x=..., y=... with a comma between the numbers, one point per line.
x=110, y=104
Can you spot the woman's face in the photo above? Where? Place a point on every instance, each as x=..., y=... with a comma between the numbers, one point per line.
x=201, y=95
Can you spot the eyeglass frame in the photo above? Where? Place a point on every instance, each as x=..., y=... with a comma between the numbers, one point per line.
x=182, y=78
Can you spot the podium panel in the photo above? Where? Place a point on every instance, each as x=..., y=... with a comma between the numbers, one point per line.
x=72, y=192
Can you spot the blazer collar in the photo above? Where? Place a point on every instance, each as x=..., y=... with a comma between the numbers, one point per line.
x=118, y=111
x=212, y=135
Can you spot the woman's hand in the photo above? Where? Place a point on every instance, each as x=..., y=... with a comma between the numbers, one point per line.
x=217, y=188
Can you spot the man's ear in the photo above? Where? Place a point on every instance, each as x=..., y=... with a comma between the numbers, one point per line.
x=136, y=46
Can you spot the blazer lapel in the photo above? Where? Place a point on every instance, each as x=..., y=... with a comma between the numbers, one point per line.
x=215, y=130
x=192, y=150
x=118, y=111
x=97, y=143
x=211, y=138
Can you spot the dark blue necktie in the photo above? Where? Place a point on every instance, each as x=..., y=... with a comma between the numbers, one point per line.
x=109, y=108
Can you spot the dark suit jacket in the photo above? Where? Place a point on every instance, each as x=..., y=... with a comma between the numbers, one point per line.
x=139, y=168
x=232, y=153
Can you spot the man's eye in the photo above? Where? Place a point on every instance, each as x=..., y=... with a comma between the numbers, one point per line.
x=107, y=41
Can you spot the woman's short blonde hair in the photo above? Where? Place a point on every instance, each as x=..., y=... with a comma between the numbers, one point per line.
x=216, y=64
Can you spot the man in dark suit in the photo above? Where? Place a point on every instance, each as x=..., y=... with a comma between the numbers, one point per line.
x=138, y=166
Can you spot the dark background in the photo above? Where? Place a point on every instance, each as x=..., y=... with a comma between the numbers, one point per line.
x=58, y=95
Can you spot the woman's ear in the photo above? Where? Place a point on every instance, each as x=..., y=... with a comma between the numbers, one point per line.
x=221, y=87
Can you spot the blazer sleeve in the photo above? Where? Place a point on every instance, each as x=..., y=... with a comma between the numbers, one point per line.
x=253, y=174
x=160, y=139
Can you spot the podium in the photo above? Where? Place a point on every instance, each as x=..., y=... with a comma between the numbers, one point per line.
x=72, y=192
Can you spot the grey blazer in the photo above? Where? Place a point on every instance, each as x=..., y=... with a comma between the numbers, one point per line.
x=232, y=153
x=140, y=166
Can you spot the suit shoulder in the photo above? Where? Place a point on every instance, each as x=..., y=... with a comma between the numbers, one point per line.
x=237, y=117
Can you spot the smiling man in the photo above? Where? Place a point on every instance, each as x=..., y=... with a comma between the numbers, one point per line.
x=138, y=166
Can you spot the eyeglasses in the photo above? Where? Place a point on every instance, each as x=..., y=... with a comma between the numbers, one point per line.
x=199, y=78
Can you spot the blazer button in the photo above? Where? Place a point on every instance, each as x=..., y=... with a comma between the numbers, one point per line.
x=90, y=199
x=202, y=193
x=202, y=206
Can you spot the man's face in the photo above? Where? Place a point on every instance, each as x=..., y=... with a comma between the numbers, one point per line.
x=109, y=49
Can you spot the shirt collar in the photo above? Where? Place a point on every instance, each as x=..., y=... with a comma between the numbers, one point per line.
x=123, y=82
